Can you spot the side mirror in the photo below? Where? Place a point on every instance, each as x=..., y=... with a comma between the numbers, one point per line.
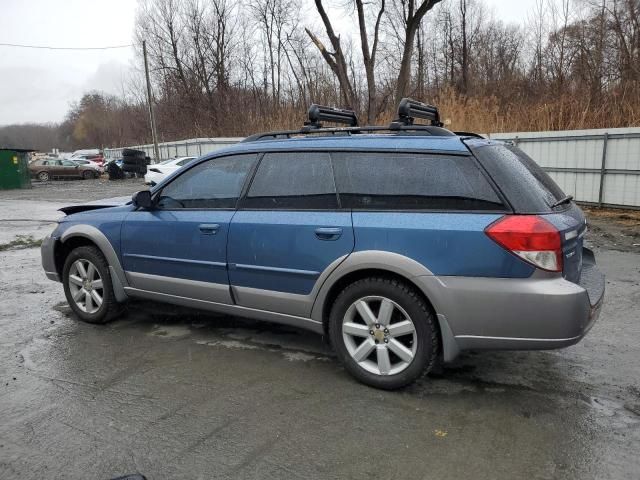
x=142, y=199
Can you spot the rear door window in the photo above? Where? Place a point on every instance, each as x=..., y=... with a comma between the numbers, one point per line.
x=293, y=180
x=412, y=181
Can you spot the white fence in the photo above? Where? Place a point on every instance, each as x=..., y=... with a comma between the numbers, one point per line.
x=600, y=167
x=193, y=147
x=595, y=166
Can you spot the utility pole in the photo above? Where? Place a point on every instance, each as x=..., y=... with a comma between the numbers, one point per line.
x=154, y=135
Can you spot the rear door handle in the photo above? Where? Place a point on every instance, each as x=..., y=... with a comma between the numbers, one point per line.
x=328, y=233
x=209, y=228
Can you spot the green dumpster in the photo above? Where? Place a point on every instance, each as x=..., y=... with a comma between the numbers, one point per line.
x=14, y=168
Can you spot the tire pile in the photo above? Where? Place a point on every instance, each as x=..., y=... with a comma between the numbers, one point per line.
x=134, y=161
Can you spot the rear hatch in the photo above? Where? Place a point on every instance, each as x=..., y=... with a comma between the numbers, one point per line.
x=530, y=190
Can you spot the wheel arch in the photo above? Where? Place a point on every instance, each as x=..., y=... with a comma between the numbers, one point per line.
x=391, y=265
x=80, y=235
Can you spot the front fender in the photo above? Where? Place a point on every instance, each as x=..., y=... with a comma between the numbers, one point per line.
x=118, y=277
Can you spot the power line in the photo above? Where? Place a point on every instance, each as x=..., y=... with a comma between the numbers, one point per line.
x=46, y=47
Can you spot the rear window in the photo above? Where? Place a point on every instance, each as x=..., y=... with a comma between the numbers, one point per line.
x=407, y=181
x=528, y=188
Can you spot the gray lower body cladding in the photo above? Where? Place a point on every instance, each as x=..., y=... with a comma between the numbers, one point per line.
x=540, y=312
x=517, y=314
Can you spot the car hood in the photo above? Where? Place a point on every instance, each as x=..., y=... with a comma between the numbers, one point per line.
x=95, y=205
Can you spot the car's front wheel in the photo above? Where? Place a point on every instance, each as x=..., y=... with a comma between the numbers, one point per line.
x=43, y=176
x=383, y=332
x=88, y=287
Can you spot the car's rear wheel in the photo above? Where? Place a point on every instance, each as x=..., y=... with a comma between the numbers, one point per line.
x=88, y=287
x=43, y=176
x=383, y=332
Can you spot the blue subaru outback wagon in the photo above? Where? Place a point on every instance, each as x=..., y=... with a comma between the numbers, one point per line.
x=402, y=244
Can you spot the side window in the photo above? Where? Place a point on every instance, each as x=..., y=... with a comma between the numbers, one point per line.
x=293, y=180
x=216, y=183
x=408, y=181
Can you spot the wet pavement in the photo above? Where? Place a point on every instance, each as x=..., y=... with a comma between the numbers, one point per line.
x=175, y=394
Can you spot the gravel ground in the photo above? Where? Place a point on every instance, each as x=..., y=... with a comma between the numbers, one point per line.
x=173, y=393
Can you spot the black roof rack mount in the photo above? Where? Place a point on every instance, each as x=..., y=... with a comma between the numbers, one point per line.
x=409, y=110
x=320, y=113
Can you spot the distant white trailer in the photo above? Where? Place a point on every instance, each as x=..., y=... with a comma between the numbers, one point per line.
x=88, y=151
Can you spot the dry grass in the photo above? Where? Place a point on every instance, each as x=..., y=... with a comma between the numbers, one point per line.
x=486, y=114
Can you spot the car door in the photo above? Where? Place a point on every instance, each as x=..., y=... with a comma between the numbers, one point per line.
x=288, y=230
x=69, y=169
x=180, y=246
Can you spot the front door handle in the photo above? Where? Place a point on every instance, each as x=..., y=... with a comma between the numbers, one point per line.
x=209, y=228
x=328, y=233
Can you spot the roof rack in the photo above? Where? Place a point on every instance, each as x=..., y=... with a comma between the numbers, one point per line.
x=410, y=109
x=407, y=111
x=318, y=113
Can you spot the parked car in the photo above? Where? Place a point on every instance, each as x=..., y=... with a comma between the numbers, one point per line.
x=157, y=173
x=90, y=163
x=95, y=158
x=47, y=169
x=403, y=245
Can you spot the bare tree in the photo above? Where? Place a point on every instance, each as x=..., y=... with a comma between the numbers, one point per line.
x=414, y=13
x=336, y=59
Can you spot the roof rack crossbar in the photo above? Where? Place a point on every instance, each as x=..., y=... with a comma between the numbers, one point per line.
x=410, y=109
x=415, y=129
x=319, y=113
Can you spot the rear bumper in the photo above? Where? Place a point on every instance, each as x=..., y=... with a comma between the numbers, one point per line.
x=540, y=312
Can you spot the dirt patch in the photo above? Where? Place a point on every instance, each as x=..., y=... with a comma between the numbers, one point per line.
x=76, y=191
x=21, y=241
x=613, y=229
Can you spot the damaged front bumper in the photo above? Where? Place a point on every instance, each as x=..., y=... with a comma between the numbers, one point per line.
x=47, y=252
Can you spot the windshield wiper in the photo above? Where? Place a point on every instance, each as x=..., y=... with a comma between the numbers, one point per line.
x=566, y=199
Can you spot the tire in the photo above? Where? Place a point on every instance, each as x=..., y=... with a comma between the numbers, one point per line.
x=134, y=168
x=404, y=303
x=76, y=284
x=88, y=175
x=134, y=161
x=130, y=168
x=43, y=176
x=132, y=153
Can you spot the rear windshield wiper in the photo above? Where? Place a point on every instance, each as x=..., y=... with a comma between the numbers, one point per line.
x=566, y=199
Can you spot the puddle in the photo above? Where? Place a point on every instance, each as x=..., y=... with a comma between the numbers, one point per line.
x=234, y=344
x=171, y=331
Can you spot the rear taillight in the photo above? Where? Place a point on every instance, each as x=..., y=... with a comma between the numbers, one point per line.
x=531, y=238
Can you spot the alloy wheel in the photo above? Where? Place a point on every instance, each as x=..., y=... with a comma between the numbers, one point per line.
x=379, y=335
x=85, y=285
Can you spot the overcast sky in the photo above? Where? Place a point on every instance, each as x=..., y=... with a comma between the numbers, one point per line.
x=39, y=85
